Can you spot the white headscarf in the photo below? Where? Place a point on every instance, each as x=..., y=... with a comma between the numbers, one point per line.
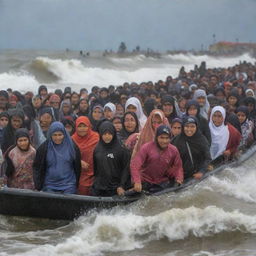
x=205, y=109
x=111, y=106
x=220, y=134
x=139, y=112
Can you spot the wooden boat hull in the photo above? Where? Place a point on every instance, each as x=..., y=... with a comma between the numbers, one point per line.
x=22, y=202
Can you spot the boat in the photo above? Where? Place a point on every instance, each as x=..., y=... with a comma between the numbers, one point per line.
x=28, y=203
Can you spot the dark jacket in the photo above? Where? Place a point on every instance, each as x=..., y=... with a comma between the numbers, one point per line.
x=200, y=156
x=40, y=165
x=111, y=162
x=202, y=122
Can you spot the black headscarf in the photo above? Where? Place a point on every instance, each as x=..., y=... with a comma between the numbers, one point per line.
x=124, y=134
x=9, y=131
x=199, y=149
x=149, y=106
x=169, y=99
x=104, y=127
x=22, y=132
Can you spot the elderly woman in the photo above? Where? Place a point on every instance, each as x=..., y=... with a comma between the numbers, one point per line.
x=57, y=165
x=19, y=162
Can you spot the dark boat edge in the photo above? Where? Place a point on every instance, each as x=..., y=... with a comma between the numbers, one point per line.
x=22, y=202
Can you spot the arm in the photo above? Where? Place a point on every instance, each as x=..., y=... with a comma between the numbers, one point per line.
x=136, y=164
x=9, y=167
x=125, y=168
x=39, y=166
x=206, y=159
x=77, y=163
x=176, y=169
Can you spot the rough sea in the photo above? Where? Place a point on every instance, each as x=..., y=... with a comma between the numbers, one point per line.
x=217, y=217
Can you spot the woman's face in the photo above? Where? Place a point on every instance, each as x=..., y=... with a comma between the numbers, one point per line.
x=23, y=143
x=97, y=114
x=37, y=103
x=57, y=137
x=217, y=118
x=74, y=99
x=4, y=121
x=232, y=100
x=220, y=95
x=192, y=111
x=45, y=121
x=108, y=114
x=118, y=124
x=176, y=129
x=190, y=129
x=69, y=128
x=131, y=108
x=241, y=117
x=107, y=137
x=83, y=105
x=156, y=121
x=82, y=130
x=130, y=123
x=65, y=109
x=16, y=122
x=167, y=109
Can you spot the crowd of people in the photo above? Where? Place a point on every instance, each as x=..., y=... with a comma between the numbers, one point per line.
x=145, y=136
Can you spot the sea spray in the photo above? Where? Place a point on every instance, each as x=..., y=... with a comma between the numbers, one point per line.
x=126, y=231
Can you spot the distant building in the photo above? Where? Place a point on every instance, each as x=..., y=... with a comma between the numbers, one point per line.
x=232, y=48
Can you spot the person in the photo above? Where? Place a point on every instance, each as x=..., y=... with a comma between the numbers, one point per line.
x=57, y=164
x=193, y=109
x=194, y=149
x=69, y=126
x=225, y=137
x=130, y=125
x=111, y=163
x=168, y=107
x=4, y=119
x=133, y=105
x=109, y=110
x=117, y=122
x=46, y=117
x=16, y=121
x=247, y=127
x=19, y=162
x=157, y=164
x=96, y=116
x=201, y=97
x=66, y=110
x=83, y=107
x=155, y=119
x=176, y=126
x=86, y=139
x=4, y=97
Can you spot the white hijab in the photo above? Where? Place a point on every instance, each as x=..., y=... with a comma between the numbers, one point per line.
x=139, y=112
x=220, y=134
x=111, y=106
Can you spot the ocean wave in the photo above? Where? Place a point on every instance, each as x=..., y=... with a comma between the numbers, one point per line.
x=21, y=81
x=211, y=61
x=74, y=72
x=126, y=231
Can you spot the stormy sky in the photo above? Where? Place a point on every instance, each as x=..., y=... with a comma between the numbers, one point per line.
x=103, y=24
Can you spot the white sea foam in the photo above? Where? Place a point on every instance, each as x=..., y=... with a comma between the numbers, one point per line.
x=21, y=81
x=136, y=69
x=126, y=231
x=238, y=182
